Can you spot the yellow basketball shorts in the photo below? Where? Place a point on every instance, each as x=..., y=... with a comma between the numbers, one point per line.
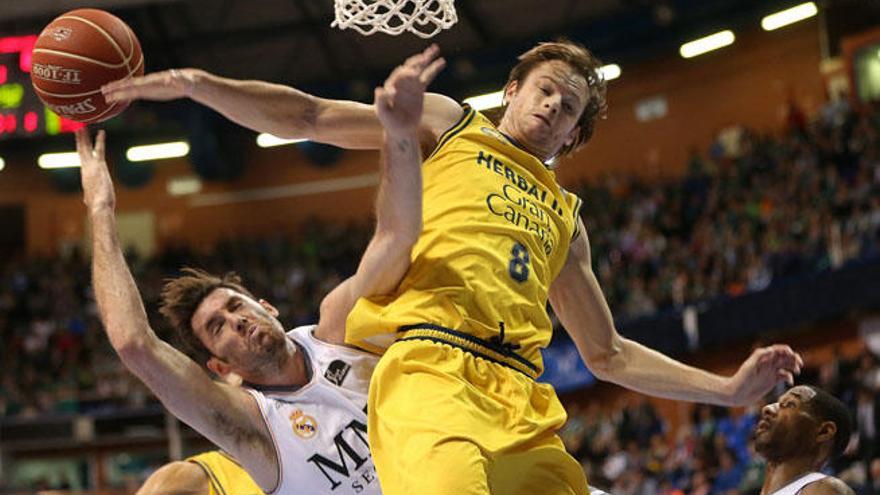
x=443, y=421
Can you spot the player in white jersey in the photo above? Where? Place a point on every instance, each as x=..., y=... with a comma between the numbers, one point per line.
x=798, y=435
x=328, y=451
x=298, y=423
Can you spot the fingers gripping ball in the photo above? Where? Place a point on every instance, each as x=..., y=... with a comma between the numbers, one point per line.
x=75, y=55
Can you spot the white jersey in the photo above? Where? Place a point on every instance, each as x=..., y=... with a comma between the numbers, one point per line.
x=320, y=429
x=797, y=485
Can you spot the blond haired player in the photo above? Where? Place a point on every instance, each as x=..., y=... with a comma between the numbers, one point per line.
x=454, y=405
x=298, y=421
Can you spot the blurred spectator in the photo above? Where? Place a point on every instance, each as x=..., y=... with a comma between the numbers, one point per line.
x=729, y=475
x=868, y=422
x=875, y=475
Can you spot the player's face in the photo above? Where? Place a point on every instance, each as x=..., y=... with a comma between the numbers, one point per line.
x=243, y=333
x=543, y=109
x=786, y=427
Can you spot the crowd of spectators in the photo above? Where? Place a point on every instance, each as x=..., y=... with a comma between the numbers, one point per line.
x=54, y=356
x=750, y=211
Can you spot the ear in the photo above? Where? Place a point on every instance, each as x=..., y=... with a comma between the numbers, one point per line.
x=220, y=367
x=827, y=430
x=272, y=310
x=510, y=91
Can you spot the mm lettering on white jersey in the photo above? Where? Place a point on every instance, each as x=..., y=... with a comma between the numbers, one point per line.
x=320, y=429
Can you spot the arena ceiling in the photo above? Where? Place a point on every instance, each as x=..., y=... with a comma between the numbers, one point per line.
x=291, y=41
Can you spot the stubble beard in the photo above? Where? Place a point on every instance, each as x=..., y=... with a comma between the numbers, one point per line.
x=270, y=360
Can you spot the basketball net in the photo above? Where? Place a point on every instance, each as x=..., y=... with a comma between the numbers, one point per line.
x=424, y=18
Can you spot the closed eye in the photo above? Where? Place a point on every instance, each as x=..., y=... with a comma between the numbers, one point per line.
x=215, y=325
x=233, y=304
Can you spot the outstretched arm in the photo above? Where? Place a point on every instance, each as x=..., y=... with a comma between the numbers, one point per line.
x=228, y=416
x=281, y=110
x=398, y=106
x=578, y=302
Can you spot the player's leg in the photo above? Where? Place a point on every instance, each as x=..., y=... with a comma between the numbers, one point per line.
x=451, y=466
x=542, y=466
x=419, y=416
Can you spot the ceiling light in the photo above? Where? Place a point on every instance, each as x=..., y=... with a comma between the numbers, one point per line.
x=610, y=71
x=58, y=160
x=160, y=151
x=789, y=16
x=707, y=44
x=486, y=101
x=265, y=140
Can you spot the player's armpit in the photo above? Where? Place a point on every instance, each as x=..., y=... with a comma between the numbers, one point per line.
x=177, y=478
x=441, y=112
x=334, y=309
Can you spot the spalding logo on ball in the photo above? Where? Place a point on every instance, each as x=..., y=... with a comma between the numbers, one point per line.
x=75, y=55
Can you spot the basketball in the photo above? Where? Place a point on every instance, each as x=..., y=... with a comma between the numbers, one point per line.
x=75, y=55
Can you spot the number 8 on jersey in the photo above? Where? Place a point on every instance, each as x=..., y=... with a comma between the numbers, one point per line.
x=519, y=263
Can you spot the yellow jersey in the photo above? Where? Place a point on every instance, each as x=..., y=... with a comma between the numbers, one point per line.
x=226, y=476
x=497, y=228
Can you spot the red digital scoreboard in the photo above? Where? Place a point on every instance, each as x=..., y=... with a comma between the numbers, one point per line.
x=22, y=114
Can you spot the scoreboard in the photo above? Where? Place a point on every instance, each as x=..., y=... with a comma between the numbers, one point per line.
x=22, y=114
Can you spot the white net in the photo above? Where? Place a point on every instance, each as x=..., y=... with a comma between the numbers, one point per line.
x=424, y=18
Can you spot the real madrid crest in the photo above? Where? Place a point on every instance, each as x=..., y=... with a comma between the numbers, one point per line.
x=303, y=425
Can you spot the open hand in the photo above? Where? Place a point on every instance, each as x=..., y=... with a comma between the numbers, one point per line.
x=97, y=185
x=158, y=86
x=764, y=368
x=400, y=100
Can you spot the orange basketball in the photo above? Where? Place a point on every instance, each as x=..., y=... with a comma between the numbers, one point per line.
x=75, y=55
